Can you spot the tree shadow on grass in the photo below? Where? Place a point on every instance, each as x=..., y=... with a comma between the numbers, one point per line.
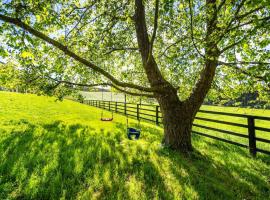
x=58, y=160
x=51, y=161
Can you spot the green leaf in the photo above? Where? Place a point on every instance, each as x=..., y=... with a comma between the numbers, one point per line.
x=26, y=54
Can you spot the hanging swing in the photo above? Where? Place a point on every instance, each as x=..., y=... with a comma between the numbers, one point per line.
x=106, y=119
x=131, y=131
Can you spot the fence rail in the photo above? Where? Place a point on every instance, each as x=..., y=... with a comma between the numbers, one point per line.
x=153, y=114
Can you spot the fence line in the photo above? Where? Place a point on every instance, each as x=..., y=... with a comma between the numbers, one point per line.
x=143, y=111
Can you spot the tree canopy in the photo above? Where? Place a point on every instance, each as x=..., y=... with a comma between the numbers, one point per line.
x=102, y=33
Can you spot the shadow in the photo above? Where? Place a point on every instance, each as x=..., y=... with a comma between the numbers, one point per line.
x=224, y=148
x=70, y=161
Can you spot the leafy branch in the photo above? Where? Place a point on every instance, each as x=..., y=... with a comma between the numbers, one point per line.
x=100, y=84
x=68, y=52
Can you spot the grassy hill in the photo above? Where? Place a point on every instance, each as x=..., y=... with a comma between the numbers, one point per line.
x=61, y=150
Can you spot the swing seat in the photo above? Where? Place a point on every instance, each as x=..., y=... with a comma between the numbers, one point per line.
x=133, y=131
x=106, y=119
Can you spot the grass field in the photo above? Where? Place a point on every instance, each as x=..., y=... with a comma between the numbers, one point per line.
x=61, y=150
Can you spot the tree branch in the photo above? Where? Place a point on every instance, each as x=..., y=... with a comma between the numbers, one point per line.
x=78, y=22
x=102, y=84
x=171, y=45
x=68, y=52
x=247, y=23
x=191, y=29
x=243, y=63
x=152, y=71
x=232, y=19
x=234, y=65
x=249, y=12
x=231, y=45
x=122, y=49
x=155, y=28
x=207, y=74
x=220, y=5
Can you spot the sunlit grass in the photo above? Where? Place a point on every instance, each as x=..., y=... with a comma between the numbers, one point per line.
x=52, y=150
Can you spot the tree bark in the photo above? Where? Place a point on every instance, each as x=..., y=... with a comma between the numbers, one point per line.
x=177, y=121
x=178, y=116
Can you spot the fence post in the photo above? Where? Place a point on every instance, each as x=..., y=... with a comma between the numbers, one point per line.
x=109, y=105
x=157, y=122
x=251, y=136
x=99, y=104
x=116, y=107
x=138, y=112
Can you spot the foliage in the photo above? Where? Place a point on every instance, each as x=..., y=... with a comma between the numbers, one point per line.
x=9, y=77
x=104, y=32
x=73, y=155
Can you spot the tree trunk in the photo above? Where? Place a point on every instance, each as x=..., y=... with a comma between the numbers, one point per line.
x=177, y=120
x=177, y=128
x=178, y=116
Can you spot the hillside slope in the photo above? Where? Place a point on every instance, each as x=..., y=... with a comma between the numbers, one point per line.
x=52, y=150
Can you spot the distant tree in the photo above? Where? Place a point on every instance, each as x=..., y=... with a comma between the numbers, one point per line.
x=171, y=50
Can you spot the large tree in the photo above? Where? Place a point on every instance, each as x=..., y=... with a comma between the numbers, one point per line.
x=167, y=49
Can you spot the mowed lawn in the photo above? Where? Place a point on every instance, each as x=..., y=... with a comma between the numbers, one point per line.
x=61, y=150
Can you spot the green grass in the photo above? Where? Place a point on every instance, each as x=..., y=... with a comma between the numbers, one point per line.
x=61, y=150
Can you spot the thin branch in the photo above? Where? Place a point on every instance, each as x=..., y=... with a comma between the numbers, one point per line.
x=247, y=23
x=249, y=12
x=102, y=84
x=122, y=49
x=68, y=52
x=220, y=5
x=53, y=87
x=133, y=93
x=232, y=45
x=247, y=34
x=155, y=27
x=232, y=19
x=243, y=63
x=78, y=22
x=80, y=8
x=191, y=28
x=234, y=65
x=171, y=45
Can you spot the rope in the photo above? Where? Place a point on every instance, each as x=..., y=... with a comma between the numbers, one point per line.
x=125, y=109
x=102, y=102
x=139, y=112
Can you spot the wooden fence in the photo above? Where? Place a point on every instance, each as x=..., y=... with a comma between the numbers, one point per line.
x=249, y=123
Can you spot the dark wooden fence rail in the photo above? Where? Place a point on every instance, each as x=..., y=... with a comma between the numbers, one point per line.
x=152, y=113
